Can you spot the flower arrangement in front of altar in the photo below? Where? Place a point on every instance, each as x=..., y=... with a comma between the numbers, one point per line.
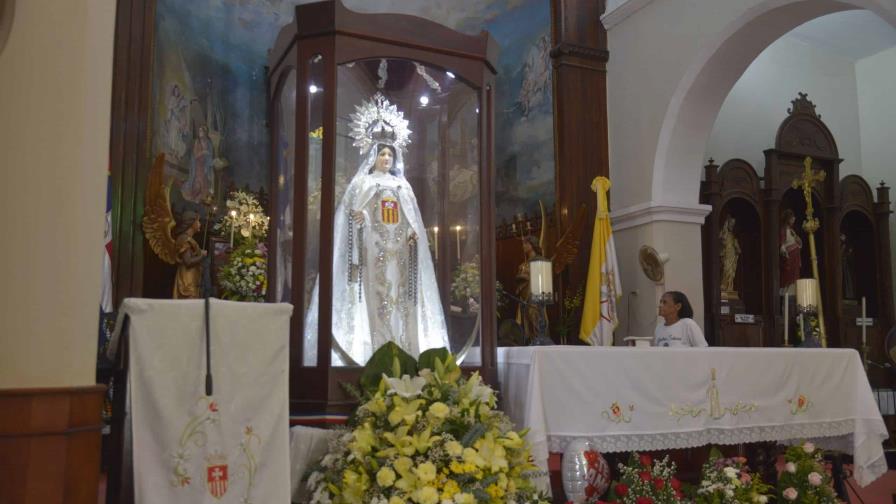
x=465, y=285
x=429, y=437
x=244, y=277
x=244, y=219
x=729, y=481
x=804, y=478
x=645, y=481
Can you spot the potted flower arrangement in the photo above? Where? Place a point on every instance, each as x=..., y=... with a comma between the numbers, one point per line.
x=729, y=481
x=244, y=277
x=465, y=288
x=804, y=478
x=425, y=436
x=645, y=481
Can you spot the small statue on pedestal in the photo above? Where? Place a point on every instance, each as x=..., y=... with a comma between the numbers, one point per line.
x=730, y=253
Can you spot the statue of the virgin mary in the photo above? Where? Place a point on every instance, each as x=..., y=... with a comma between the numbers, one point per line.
x=384, y=284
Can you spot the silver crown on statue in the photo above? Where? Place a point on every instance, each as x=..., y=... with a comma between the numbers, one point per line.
x=376, y=121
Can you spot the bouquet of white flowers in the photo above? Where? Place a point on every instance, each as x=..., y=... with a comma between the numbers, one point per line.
x=429, y=437
x=729, y=481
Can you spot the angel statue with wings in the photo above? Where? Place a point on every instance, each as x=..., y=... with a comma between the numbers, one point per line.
x=562, y=254
x=158, y=223
x=384, y=283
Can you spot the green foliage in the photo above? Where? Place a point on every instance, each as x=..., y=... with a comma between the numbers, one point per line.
x=804, y=478
x=383, y=362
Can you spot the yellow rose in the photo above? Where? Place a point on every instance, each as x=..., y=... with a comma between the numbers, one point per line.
x=396, y=500
x=403, y=465
x=385, y=477
x=426, y=472
x=427, y=495
x=464, y=498
x=454, y=448
x=439, y=410
x=451, y=487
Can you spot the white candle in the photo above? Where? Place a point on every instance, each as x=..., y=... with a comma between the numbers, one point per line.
x=251, y=222
x=458, y=228
x=232, y=225
x=786, y=315
x=864, y=327
x=435, y=233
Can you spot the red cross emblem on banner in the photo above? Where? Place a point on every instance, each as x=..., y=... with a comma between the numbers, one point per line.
x=217, y=480
x=389, y=208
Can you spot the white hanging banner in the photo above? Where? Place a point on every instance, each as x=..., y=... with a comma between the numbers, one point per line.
x=231, y=446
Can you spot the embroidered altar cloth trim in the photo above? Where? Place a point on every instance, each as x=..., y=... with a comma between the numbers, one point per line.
x=232, y=446
x=627, y=399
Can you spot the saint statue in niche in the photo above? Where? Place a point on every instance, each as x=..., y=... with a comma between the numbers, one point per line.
x=847, y=265
x=790, y=247
x=384, y=283
x=730, y=253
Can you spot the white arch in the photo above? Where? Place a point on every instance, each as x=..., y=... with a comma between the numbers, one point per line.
x=700, y=93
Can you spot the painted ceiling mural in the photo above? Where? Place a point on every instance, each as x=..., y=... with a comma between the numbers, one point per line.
x=209, y=92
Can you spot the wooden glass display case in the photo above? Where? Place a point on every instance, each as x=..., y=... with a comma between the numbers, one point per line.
x=342, y=85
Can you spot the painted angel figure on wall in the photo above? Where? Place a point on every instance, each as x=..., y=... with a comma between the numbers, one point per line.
x=791, y=248
x=730, y=253
x=181, y=248
x=384, y=283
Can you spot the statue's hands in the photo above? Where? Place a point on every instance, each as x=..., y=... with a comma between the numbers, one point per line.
x=358, y=216
x=204, y=253
x=412, y=237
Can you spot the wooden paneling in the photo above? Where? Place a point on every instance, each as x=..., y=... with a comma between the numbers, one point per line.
x=579, y=56
x=50, y=445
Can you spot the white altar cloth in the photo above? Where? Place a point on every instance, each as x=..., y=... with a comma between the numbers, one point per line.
x=627, y=399
x=230, y=447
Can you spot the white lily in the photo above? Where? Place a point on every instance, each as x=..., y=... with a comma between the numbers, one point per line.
x=405, y=386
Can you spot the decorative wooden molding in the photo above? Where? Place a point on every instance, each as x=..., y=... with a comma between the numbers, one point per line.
x=50, y=442
x=646, y=213
x=579, y=51
x=802, y=105
x=622, y=11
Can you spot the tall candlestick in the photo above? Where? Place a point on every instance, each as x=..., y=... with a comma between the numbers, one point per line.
x=232, y=225
x=251, y=222
x=458, y=228
x=435, y=233
x=786, y=315
x=864, y=327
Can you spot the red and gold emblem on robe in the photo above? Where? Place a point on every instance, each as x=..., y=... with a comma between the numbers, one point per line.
x=389, y=209
x=216, y=475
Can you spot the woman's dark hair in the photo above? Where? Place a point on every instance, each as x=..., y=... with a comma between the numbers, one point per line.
x=679, y=298
x=380, y=147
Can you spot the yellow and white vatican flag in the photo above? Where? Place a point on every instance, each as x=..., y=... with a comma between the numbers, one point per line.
x=602, y=292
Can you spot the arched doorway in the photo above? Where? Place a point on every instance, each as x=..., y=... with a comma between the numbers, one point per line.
x=721, y=61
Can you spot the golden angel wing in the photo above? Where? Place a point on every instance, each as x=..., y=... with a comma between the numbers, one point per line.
x=567, y=248
x=158, y=222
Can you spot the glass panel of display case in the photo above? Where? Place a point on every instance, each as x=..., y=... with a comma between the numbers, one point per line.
x=285, y=161
x=314, y=169
x=406, y=227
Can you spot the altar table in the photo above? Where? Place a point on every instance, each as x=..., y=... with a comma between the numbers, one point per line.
x=630, y=399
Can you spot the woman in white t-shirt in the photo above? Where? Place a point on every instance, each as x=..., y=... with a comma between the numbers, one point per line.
x=678, y=328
